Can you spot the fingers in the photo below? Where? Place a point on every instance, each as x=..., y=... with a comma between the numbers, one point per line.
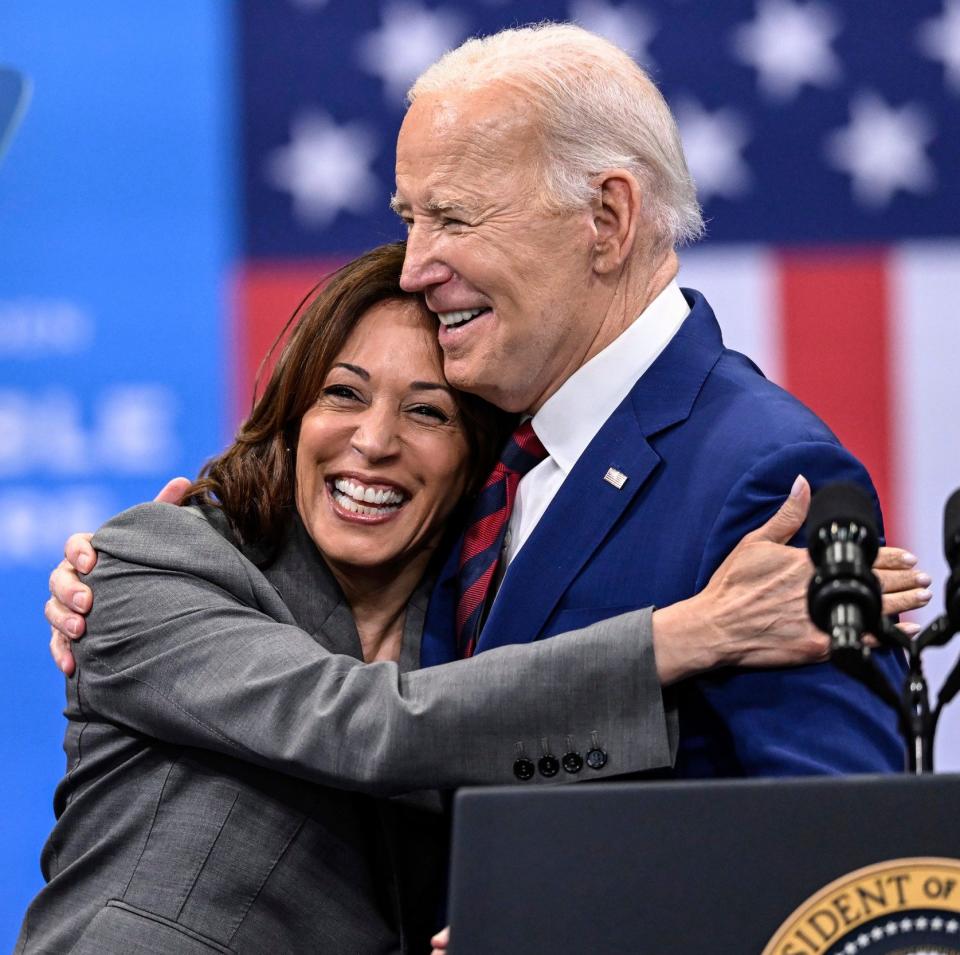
x=910, y=628
x=61, y=653
x=789, y=518
x=894, y=558
x=440, y=941
x=895, y=581
x=63, y=620
x=894, y=603
x=173, y=491
x=904, y=588
x=66, y=588
x=79, y=553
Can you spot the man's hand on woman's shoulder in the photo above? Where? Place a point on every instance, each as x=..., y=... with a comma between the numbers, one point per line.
x=70, y=599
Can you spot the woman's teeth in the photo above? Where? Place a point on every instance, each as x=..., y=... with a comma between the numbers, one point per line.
x=450, y=319
x=359, y=499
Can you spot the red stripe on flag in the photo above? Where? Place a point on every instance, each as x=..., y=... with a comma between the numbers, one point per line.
x=266, y=295
x=835, y=313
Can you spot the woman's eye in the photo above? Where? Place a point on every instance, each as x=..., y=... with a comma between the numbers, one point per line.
x=430, y=411
x=339, y=391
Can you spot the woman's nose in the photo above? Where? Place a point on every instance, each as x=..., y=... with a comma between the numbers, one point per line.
x=376, y=436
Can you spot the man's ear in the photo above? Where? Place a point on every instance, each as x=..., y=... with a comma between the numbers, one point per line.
x=616, y=215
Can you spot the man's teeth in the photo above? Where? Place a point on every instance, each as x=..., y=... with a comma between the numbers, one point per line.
x=356, y=497
x=457, y=318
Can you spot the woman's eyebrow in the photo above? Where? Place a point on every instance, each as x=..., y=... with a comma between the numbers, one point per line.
x=414, y=385
x=356, y=369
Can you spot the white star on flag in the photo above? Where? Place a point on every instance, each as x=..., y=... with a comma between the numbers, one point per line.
x=410, y=39
x=626, y=26
x=940, y=40
x=326, y=168
x=789, y=45
x=712, y=143
x=883, y=150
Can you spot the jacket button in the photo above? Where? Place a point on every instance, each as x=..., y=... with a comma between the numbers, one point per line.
x=523, y=768
x=572, y=762
x=548, y=765
x=597, y=758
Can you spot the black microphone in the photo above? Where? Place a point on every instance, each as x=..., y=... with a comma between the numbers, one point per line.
x=951, y=550
x=844, y=596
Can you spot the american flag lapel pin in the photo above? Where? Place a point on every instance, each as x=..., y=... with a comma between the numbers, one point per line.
x=615, y=477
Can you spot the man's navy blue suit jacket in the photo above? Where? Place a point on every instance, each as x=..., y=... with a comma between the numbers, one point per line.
x=710, y=449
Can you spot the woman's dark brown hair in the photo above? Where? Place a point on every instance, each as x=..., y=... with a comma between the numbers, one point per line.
x=253, y=480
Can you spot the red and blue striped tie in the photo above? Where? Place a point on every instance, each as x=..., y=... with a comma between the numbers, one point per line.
x=483, y=540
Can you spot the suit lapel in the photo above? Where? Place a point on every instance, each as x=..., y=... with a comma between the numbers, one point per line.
x=587, y=506
x=305, y=584
x=576, y=522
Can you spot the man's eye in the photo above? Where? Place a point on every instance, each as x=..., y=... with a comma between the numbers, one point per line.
x=430, y=411
x=449, y=222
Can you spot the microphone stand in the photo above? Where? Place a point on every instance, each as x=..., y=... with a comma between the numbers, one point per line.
x=916, y=697
x=918, y=721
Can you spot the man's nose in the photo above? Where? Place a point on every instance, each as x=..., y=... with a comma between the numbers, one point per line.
x=376, y=436
x=423, y=267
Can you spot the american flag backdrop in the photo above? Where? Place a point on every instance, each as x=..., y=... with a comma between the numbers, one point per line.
x=824, y=137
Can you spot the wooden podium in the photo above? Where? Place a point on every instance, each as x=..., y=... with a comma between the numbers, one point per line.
x=733, y=867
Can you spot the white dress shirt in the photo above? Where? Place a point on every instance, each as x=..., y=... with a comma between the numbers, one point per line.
x=575, y=413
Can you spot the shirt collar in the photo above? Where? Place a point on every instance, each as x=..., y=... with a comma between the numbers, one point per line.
x=572, y=416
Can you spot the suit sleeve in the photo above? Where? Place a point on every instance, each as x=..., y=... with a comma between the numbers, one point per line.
x=186, y=643
x=798, y=721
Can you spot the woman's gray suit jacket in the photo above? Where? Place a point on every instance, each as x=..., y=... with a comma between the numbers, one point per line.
x=228, y=751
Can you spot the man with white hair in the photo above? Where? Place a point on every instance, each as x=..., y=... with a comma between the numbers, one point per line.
x=545, y=191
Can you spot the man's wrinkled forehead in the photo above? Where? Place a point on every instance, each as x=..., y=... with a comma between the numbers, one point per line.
x=487, y=111
x=458, y=139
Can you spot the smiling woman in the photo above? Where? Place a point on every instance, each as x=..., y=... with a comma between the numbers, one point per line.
x=359, y=427
x=363, y=304
x=382, y=457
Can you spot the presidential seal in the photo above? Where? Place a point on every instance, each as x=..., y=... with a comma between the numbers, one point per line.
x=900, y=907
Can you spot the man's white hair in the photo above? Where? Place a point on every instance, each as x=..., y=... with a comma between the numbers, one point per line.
x=598, y=110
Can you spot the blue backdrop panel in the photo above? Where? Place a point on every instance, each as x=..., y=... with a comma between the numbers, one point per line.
x=116, y=231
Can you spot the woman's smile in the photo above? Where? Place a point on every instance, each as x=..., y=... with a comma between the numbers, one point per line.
x=365, y=501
